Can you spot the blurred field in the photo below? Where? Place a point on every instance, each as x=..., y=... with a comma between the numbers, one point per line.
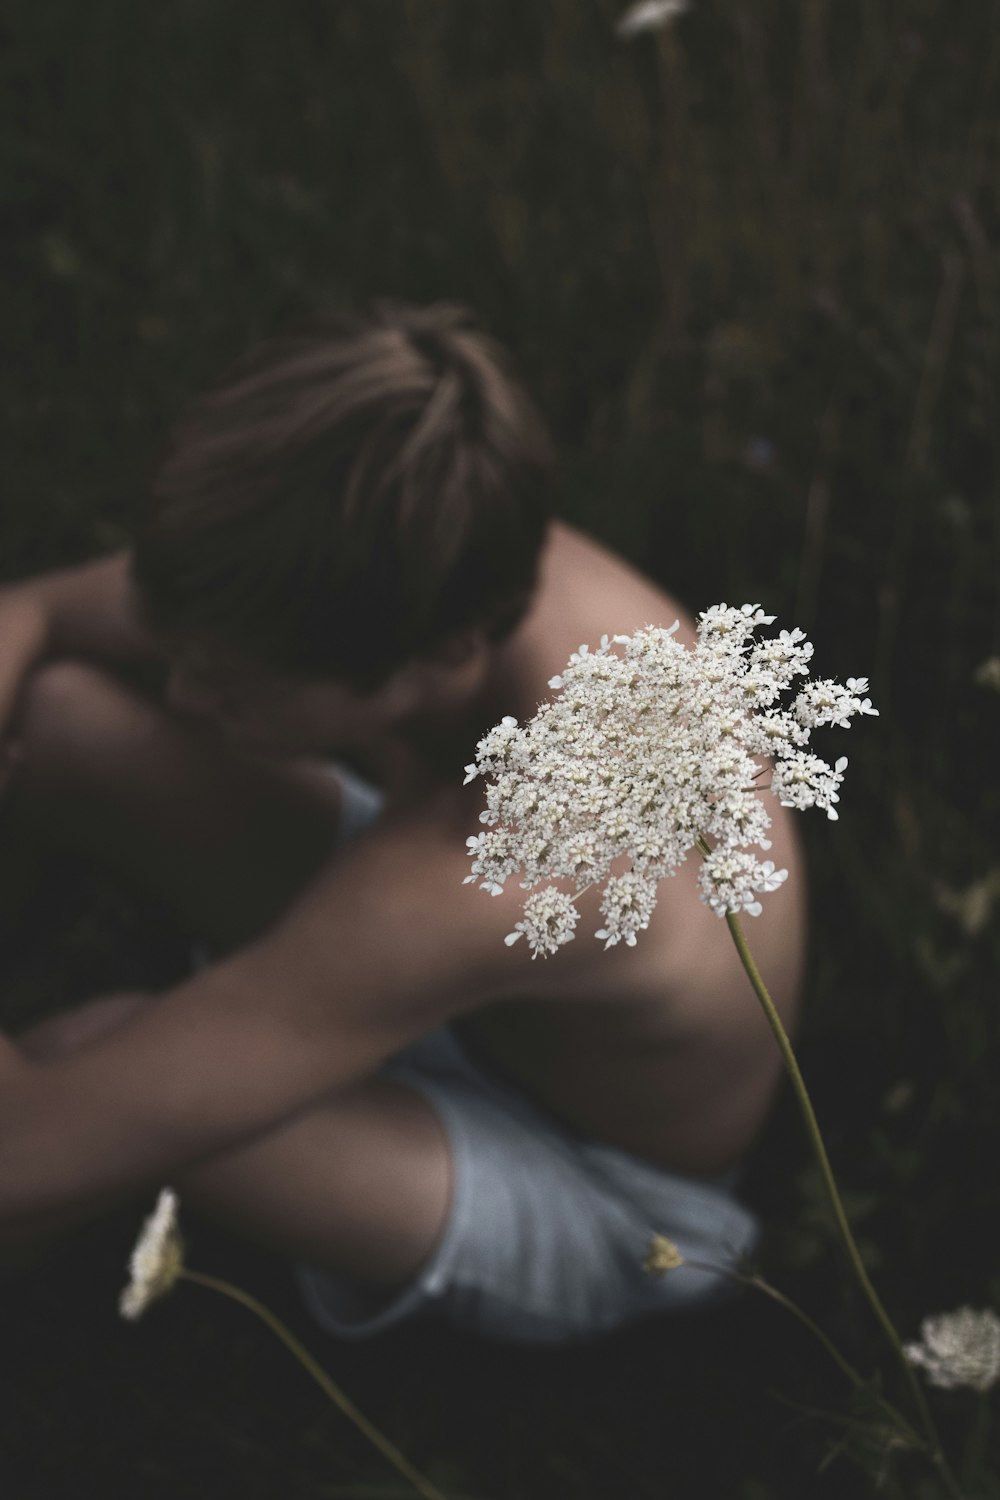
x=748, y=265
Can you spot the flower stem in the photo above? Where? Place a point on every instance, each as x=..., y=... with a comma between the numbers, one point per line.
x=854, y=1255
x=758, y=1284
x=388, y=1450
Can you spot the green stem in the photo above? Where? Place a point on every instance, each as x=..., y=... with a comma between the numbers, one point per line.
x=978, y=1443
x=805, y=1104
x=388, y=1450
x=758, y=1284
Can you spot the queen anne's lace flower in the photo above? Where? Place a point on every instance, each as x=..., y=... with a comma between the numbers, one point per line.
x=627, y=906
x=730, y=879
x=548, y=921
x=803, y=780
x=960, y=1348
x=646, y=751
x=156, y=1261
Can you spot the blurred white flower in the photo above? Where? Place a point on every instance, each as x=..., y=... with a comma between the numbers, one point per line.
x=988, y=673
x=649, y=15
x=973, y=906
x=157, y=1260
x=649, y=750
x=960, y=1348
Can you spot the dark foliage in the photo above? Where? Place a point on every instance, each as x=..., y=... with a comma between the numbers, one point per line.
x=748, y=265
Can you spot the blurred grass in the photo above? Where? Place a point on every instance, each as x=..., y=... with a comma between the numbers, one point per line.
x=748, y=264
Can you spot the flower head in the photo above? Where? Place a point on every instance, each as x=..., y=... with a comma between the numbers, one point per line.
x=960, y=1348
x=647, y=750
x=157, y=1259
x=662, y=1256
x=548, y=921
x=649, y=15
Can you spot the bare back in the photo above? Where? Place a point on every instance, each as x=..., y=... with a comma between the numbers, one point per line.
x=660, y=1049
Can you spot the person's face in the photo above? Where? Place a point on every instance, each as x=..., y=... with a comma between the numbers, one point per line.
x=276, y=715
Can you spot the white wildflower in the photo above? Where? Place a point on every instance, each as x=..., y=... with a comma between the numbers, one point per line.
x=493, y=749
x=960, y=1348
x=777, y=661
x=802, y=780
x=646, y=751
x=627, y=906
x=830, y=702
x=772, y=732
x=738, y=818
x=494, y=858
x=729, y=880
x=649, y=15
x=157, y=1260
x=548, y=921
x=972, y=907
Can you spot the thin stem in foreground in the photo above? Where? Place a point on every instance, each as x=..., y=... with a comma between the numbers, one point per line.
x=343, y=1403
x=758, y=1284
x=812, y=1126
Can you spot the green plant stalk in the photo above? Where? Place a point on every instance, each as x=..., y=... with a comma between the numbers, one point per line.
x=854, y=1255
x=343, y=1403
x=977, y=1445
x=758, y=1284
x=854, y=1376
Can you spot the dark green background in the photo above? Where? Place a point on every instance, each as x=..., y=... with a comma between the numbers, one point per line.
x=748, y=266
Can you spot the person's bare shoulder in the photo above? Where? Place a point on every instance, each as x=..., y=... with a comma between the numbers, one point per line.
x=585, y=591
x=603, y=582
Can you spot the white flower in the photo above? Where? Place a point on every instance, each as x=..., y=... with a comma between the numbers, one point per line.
x=828, y=702
x=768, y=733
x=803, y=780
x=649, y=15
x=649, y=750
x=494, y=858
x=157, y=1260
x=972, y=907
x=548, y=921
x=729, y=880
x=960, y=1348
x=628, y=904
x=493, y=749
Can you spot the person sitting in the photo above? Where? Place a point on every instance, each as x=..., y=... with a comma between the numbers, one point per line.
x=348, y=572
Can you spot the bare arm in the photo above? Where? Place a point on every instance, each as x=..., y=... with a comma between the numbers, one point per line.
x=87, y=611
x=384, y=946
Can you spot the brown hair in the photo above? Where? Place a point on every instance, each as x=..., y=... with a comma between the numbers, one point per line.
x=349, y=499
